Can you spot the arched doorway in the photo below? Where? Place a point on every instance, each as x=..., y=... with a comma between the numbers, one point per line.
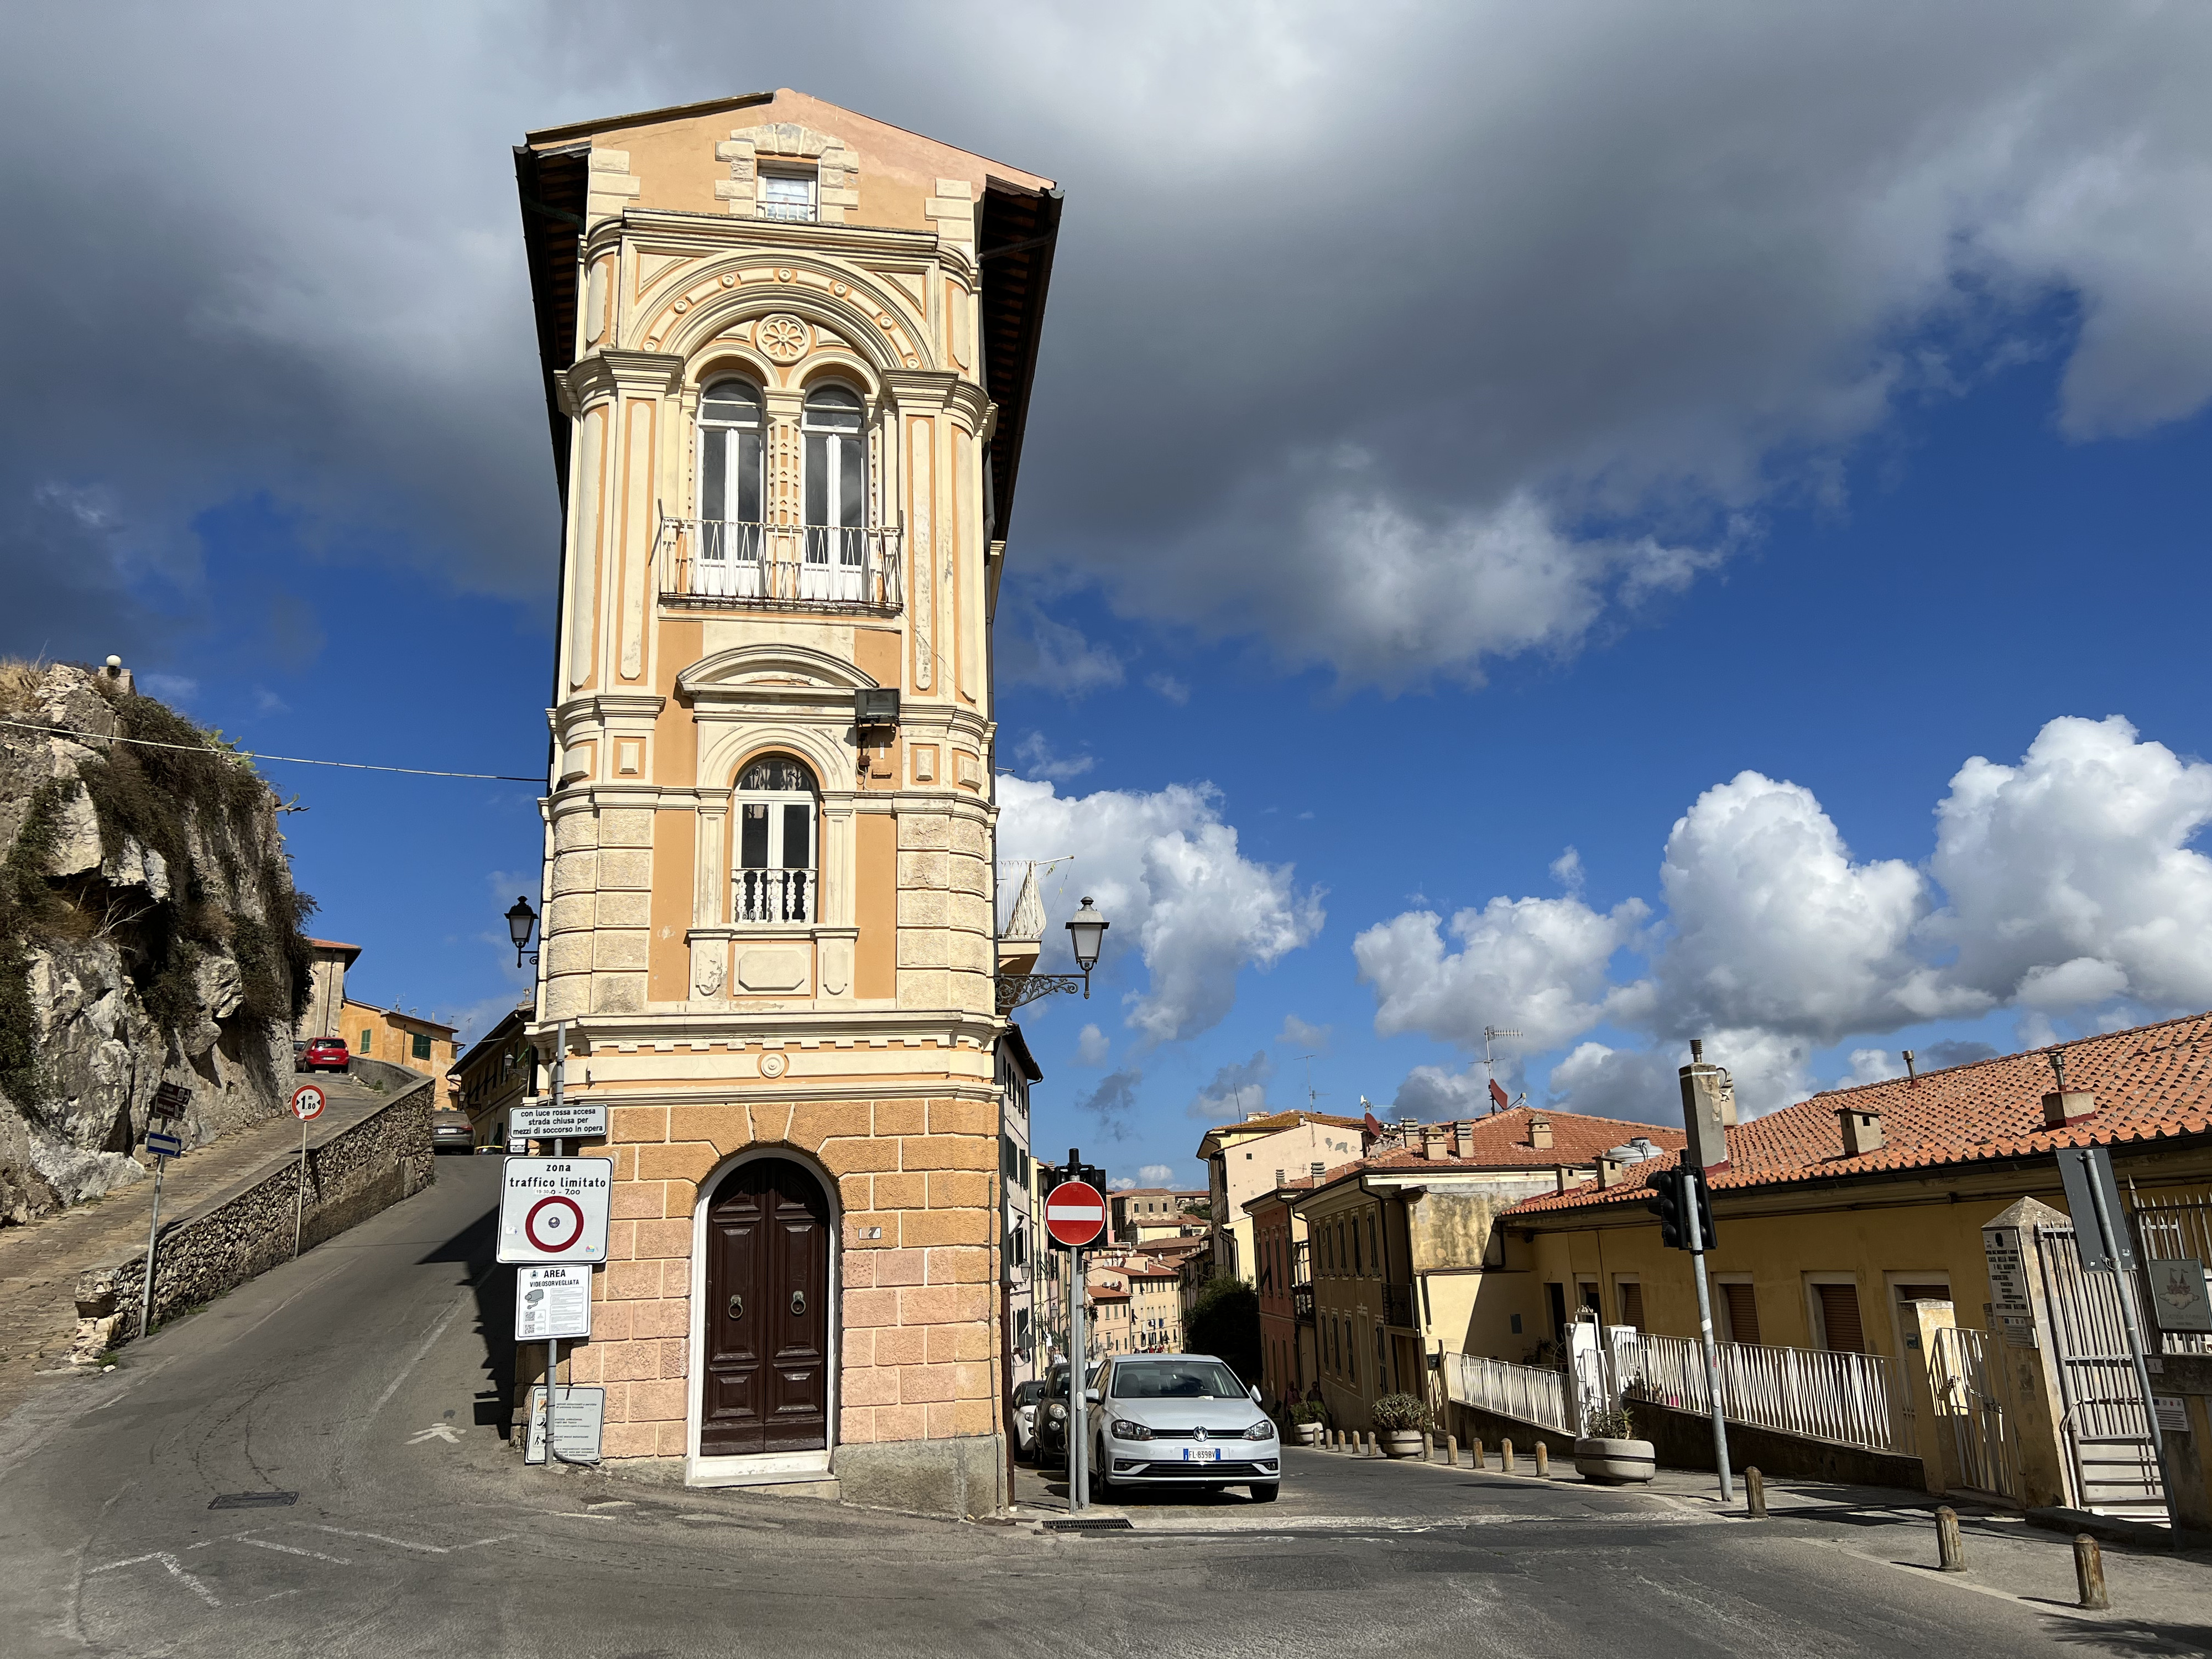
x=766, y=1377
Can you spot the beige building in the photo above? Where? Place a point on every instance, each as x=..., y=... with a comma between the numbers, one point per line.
x=1155, y=1307
x=499, y=1072
x=1244, y=1160
x=327, y=962
x=1142, y=1215
x=787, y=352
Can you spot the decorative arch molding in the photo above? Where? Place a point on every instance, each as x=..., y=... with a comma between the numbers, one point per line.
x=878, y=324
x=771, y=667
x=738, y=1471
x=725, y=753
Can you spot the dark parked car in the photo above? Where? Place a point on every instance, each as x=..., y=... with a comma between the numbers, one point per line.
x=450, y=1131
x=1029, y=1400
x=325, y=1054
x=1052, y=1419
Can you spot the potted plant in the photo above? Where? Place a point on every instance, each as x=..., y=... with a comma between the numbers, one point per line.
x=1610, y=1453
x=1307, y=1420
x=1400, y=1418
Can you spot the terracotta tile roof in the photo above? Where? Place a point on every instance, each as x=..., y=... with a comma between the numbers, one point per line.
x=2153, y=1082
x=1501, y=1142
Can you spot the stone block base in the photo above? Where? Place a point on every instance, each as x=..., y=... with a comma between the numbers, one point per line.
x=960, y=1476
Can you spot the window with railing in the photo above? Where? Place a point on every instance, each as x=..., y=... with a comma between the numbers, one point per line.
x=775, y=879
x=784, y=193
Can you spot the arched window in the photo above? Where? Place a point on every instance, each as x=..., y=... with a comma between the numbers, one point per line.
x=836, y=491
x=728, y=561
x=775, y=878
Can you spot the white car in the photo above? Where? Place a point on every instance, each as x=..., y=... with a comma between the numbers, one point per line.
x=1181, y=1419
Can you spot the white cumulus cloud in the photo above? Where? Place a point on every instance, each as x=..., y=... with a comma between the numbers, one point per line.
x=1166, y=871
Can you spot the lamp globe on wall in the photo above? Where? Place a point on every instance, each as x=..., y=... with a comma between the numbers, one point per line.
x=1086, y=931
x=521, y=922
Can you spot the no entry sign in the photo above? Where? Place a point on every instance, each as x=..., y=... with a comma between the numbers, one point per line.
x=554, y=1209
x=1075, y=1213
x=307, y=1101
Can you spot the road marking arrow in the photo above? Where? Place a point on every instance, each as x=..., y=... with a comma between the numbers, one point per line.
x=436, y=1431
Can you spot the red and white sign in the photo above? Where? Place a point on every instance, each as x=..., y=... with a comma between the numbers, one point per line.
x=554, y=1209
x=1075, y=1213
x=307, y=1101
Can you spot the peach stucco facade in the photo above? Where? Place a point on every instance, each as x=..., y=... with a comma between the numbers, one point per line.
x=819, y=994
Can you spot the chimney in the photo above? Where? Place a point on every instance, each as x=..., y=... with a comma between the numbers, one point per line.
x=1463, y=1137
x=1708, y=1110
x=1911, y=1072
x=1608, y=1170
x=2064, y=1106
x=1862, y=1131
x=1436, y=1141
x=1540, y=1133
x=1318, y=1171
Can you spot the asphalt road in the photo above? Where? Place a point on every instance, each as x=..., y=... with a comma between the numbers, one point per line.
x=363, y=1377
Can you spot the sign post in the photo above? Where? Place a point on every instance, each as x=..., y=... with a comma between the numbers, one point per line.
x=307, y=1103
x=2094, y=1197
x=169, y=1102
x=1075, y=1214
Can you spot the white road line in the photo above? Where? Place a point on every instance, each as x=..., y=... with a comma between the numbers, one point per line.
x=379, y=1538
x=478, y=1543
x=112, y=1566
x=176, y=1571
x=415, y=1358
x=264, y=1544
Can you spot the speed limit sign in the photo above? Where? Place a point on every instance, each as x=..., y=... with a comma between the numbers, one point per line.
x=307, y=1101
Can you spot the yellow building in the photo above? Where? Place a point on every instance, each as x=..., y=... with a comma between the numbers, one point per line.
x=1245, y=1159
x=1405, y=1260
x=499, y=1072
x=408, y=1040
x=1865, y=1221
x=787, y=352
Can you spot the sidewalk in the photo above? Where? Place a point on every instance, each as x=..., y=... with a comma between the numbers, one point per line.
x=39, y=1261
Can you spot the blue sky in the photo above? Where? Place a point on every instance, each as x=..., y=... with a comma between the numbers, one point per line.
x=1825, y=413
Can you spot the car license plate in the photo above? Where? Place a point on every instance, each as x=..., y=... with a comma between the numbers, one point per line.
x=1201, y=1454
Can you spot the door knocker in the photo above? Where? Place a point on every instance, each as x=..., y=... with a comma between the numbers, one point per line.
x=737, y=1307
x=798, y=1302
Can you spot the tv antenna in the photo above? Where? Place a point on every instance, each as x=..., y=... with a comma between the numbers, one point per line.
x=1490, y=1034
x=1312, y=1099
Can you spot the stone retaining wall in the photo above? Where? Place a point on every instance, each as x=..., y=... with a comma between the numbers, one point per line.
x=353, y=1172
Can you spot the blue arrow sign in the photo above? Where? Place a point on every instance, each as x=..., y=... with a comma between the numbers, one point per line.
x=165, y=1145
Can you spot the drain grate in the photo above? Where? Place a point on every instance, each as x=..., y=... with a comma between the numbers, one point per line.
x=254, y=1500
x=1102, y=1524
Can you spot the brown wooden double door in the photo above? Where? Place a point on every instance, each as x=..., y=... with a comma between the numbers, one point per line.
x=767, y=1384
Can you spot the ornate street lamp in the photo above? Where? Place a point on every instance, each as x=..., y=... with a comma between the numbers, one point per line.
x=1086, y=933
x=521, y=922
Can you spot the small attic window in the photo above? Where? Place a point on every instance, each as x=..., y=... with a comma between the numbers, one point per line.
x=786, y=193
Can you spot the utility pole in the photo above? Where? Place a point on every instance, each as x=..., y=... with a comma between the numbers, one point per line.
x=1694, y=1229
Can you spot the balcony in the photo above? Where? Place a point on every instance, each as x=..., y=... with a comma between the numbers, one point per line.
x=773, y=896
x=1398, y=1305
x=732, y=564
x=1302, y=1304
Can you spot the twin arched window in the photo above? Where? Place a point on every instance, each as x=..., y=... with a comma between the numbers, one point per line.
x=774, y=880
x=834, y=467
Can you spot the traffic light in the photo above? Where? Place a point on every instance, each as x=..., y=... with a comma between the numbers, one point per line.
x=1667, y=1204
x=1704, y=1208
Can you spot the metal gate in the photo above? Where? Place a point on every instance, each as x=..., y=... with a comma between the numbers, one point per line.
x=2113, y=1464
x=1979, y=1428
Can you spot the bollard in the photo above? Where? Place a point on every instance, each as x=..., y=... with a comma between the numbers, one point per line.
x=1474, y=1454
x=1951, y=1553
x=2089, y=1572
x=1754, y=1493
x=1374, y=1444
x=1505, y=1456
x=1543, y=1461
x=1328, y=1439
x=1428, y=1447
x=1451, y=1450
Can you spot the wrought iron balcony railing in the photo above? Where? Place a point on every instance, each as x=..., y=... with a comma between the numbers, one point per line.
x=739, y=564
x=1398, y=1304
x=1302, y=1304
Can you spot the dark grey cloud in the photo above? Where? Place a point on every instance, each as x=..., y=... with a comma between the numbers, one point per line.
x=1114, y=1102
x=1397, y=339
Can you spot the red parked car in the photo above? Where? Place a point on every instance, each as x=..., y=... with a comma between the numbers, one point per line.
x=325, y=1054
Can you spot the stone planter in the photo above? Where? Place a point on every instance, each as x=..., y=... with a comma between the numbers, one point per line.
x=1309, y=1434
x=1615, y=1462
x=1403, y=1443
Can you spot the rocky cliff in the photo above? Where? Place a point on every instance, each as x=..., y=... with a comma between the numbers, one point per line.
x=150, y=933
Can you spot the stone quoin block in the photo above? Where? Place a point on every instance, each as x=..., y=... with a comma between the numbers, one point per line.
x=918, y=1385
x=638, y=1123
x=946, y=1227
x=900, y=1117
x=725, y=1128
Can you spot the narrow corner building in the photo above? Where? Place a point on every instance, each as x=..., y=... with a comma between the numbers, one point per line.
x=787, y=354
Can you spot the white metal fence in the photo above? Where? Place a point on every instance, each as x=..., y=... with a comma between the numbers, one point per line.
x=1522, y=1391
x=1853, y=1399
